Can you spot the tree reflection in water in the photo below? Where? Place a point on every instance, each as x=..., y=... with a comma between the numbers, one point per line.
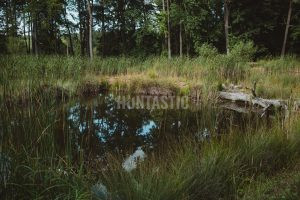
x=100, y=126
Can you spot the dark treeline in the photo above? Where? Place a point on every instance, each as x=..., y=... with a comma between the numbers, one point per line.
x=147, y=27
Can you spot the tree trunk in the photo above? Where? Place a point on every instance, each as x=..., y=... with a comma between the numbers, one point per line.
x=14, y=13
x=103, y=29
x=287, y=29
x=24, y=30
x=7, y=6
x=226, y=19
x=122, y=23
x=81, y=28
x=169, y=31
x=180, y=40
x=29, y=32
x=69, y=33
x=34, y=36
x=90, y=29
x=165, y=42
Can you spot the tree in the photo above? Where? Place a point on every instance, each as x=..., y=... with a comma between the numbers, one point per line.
x=81, y=10
x=67, y=24
x=165, y=32
x=169, y=30
x=226, y=19
x=260, y=22
x=287, y=27
x=178, y=14
x=130, y=27
x=90, y=29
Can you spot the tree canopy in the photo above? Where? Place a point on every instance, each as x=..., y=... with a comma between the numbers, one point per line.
x=141, y=28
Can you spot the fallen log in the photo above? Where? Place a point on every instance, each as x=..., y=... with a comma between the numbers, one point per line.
x=250, y=100
x=240, y=109
x=265, y=105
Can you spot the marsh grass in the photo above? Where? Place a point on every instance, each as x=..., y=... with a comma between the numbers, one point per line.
x=288, y=63
x=285, y=185
x=40, y=169
x=26, y=75
x=214, y=170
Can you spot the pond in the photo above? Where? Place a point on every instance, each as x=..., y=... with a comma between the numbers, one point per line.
x=94, y=127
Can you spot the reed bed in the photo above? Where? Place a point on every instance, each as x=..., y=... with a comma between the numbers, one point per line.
x=27, y=75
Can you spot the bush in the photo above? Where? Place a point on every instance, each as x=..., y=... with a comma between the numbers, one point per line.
x=233, y=66
x=206, y=50
x=243, y=51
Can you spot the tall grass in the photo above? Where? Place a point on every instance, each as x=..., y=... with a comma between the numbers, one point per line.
x=288, y=63
x=215, y=170
x=28, y=74
x=40, y=169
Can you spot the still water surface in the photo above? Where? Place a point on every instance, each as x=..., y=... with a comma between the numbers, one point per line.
x=99, y=125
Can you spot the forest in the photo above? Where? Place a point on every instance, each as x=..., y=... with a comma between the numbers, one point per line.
x=147, y=28
x=150, y=99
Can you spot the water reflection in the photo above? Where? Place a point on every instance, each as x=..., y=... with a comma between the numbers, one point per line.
x=101, y=126
x=94, y=127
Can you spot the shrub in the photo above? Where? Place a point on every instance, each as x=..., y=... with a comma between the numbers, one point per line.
x=206, y=50
x=243, y=51
x=235, y=65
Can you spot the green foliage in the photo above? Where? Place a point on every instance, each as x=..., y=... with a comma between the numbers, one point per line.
x=233, y=66
x=139, y=27
x=245, y=51
x=206, y=51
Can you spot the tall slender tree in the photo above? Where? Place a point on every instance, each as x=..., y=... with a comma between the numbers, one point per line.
x=169, y=30
x=180, y=40
x=165, y=32
x=89, y=4
x=67, y=25
x=226, y=22
x=287, y=27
